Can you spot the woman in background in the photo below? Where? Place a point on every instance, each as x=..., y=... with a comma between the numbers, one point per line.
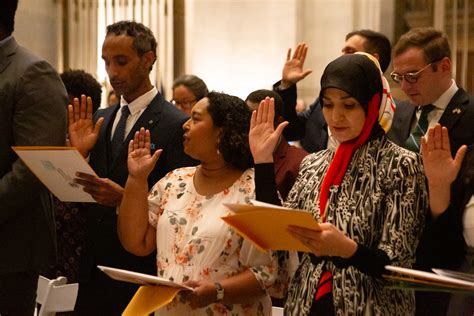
x=187, y=90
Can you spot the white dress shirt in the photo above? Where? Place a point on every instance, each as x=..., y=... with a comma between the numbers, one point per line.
x=136, y=108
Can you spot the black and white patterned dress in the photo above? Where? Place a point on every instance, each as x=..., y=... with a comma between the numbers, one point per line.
x=380, y=204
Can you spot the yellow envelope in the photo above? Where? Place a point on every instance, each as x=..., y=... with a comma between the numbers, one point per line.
x=266, y=226
x=149, y=298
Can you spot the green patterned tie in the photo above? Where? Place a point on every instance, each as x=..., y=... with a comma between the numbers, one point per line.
x=420, y=128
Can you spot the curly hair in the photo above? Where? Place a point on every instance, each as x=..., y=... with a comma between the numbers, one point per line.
x=232, y=115
x=78, y=82
x=143, y=39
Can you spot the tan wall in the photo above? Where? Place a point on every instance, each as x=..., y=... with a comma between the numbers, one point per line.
x=37, y=28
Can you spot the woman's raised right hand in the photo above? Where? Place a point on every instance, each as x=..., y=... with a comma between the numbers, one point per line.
x=140, y=160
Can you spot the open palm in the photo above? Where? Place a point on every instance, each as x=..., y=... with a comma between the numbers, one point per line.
x=81, y=130
x=440, y=167
x=263, y=138
x=140, y=160
x=293, y=67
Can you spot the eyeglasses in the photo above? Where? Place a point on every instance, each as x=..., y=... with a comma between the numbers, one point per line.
x=410, y=77
x=184, y=105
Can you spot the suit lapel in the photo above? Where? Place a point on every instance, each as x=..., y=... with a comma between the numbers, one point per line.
x=455, y=109
x=8, y=50
x=147, y=119
x=102, y=160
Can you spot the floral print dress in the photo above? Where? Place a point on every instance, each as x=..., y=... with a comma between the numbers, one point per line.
x=194, y=243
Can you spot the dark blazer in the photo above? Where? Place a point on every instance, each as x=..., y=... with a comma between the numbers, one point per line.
x=442, y=243
x=33, y=104
x=309, y=126
x=458, y=118
x=103, y=246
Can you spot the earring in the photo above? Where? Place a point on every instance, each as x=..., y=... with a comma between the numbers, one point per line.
x=218, y=152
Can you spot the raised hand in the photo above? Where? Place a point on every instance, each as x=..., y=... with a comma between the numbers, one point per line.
x=263, y=137
x=140, y=160
x=440, y=168
x=293, y=67
x=81, y=131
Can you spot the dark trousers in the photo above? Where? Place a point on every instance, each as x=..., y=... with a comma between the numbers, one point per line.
x=18, y=293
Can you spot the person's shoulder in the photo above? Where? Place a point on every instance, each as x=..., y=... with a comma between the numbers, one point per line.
x=166, y=108
x=27, y=62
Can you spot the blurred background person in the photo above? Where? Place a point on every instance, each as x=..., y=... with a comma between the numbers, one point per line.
x=113, y=98
x=187, y=90
x=287, y=158
x=70, y=217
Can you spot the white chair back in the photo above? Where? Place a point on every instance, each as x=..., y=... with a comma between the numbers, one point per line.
x=277, y=311
x=55, y=296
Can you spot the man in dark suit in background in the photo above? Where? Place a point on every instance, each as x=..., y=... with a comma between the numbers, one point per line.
x=310, y=126
x=422, y=66
x=32, y=113
x=129, y=52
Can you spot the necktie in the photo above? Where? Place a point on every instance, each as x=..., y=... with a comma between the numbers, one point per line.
x=119, y=134
x=420, y=128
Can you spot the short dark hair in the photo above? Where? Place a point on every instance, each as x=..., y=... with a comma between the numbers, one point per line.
x=143, y=39
x=194, y=83
x=434, y=45
x=78, y=82
x=232, y=115
x=7, y=16
x=258, y=95
x=375, y=43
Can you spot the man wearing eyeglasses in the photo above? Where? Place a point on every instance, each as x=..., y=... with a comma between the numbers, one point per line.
x=422, y=67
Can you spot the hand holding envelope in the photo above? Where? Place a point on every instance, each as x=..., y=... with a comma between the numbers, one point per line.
x=271, y=227
x=266, y=225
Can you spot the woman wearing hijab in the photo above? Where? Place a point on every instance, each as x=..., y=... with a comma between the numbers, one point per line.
x=368, y=195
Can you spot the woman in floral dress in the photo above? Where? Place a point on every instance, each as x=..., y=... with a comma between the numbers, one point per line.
x=181, y=216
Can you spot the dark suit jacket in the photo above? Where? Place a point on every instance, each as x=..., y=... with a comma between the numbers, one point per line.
x=458, y=118
x=102, y=244
x=33, y=104
x=442, y=243
x=309, y=126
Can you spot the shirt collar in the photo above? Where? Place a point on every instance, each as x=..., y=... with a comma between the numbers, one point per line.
x=447, y=95
x=2, y=42
x=140, y=103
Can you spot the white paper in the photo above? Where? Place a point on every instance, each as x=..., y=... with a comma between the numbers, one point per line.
x=56, y=168
x=139, y=278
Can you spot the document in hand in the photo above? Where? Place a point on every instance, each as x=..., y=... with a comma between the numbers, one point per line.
x=56, y=168
x=155, y=293
x=265, y=225
x=442, y=280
